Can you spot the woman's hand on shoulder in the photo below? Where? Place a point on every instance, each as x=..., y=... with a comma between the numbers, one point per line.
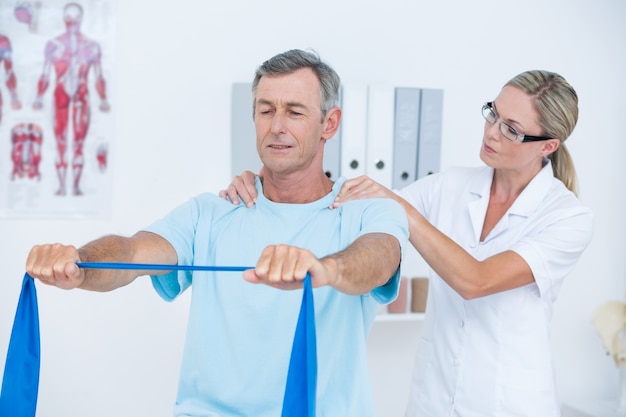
x=242, y=188
x=359, y=188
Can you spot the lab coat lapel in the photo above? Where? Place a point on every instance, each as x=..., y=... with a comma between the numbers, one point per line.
x=479, y=200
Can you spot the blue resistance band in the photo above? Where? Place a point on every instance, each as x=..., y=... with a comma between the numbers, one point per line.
x=20, y=383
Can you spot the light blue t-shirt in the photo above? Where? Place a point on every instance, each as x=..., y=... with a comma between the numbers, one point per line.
x=240, y=334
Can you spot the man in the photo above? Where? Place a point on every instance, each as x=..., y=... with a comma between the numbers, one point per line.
x=239, y=335
x=72, y=55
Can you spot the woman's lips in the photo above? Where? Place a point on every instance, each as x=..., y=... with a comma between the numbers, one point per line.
x=488, y=149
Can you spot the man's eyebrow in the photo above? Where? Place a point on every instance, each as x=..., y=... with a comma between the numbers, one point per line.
x=296, y=104
x=289, y=104
x=263, y=101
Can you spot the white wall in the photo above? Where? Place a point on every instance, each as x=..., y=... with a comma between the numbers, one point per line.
x=118, y=353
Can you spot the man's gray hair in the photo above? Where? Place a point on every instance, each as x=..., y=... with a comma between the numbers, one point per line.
x=296, y=59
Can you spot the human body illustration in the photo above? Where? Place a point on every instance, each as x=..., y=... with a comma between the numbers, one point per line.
x=27, y=12
x=11, y=81
x=26, y=139
x=72, y=55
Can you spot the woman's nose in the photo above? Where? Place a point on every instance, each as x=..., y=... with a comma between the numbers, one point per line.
x=493, y=130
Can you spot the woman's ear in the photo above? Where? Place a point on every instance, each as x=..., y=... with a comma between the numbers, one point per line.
x=549, y=146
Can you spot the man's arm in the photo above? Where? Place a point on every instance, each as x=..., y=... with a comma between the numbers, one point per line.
x=367, y=263
x=55, y=264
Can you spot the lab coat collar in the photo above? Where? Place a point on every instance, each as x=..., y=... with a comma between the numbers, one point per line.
x=531, y=196
x=526, y=204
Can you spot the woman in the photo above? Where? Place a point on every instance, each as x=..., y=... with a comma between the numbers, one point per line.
x=500, y=240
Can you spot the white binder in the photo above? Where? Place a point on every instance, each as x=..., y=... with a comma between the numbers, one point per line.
x=354, y=130
x=380, y=126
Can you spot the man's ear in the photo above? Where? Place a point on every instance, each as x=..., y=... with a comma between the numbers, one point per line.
x=331, y=123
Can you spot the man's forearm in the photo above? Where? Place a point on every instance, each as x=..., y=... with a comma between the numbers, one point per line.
x=141, y=248
x=367, y=263
x=106, y=249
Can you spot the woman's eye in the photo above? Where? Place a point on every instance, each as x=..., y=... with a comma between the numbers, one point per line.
x=512, y=131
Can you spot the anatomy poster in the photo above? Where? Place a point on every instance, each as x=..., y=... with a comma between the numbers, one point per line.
x=56, y=124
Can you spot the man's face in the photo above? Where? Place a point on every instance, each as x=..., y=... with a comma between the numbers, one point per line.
x=288, y=121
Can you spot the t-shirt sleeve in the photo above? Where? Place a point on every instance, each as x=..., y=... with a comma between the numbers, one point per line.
x=552, y=252
x=178, y=228
x=387, y=216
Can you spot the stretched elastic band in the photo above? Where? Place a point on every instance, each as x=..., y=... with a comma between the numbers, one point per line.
x=20, y=383
x=159, y=267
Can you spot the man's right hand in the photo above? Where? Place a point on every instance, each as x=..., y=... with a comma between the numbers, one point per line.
x=55, y=264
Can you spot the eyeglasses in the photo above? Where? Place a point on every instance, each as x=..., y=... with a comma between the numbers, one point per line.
x=508, y=131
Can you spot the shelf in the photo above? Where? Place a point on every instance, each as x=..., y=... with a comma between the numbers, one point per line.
x=593, y=409
x=390, y=317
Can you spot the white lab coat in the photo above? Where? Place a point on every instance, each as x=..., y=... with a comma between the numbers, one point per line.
x=491, y=356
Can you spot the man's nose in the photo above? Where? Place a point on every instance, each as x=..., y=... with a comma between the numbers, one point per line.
x=279, y=123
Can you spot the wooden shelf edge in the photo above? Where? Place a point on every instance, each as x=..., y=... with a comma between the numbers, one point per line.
x=391, y=317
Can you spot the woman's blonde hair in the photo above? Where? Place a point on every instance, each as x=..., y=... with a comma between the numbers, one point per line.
x=556, y=103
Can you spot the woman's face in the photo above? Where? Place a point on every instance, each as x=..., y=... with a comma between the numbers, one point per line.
x=515, y=108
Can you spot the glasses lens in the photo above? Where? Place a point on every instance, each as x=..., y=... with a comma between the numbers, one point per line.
x=510, y=133
x=489, y=114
